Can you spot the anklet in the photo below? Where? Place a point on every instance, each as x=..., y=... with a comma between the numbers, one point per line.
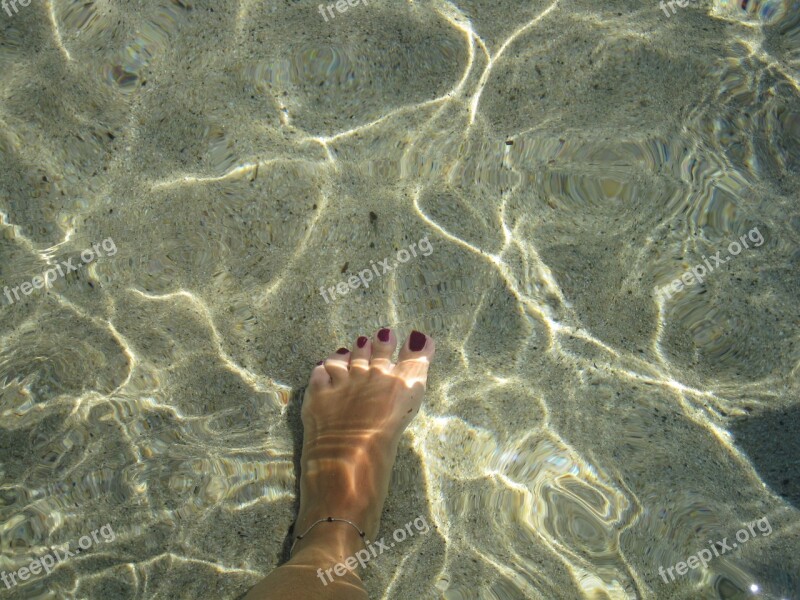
x=328, y=520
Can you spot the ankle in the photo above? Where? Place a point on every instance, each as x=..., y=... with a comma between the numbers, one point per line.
x=351, y=492
x=332, y=542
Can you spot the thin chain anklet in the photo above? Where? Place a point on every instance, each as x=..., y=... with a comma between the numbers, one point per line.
x=361, y=534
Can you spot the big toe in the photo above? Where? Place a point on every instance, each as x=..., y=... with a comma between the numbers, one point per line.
x=415, y=357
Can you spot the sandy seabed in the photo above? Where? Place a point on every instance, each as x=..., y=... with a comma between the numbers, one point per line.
x=565, y=160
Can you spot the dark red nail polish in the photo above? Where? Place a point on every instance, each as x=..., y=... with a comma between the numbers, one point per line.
x=417, y=341
x=383, y=335
x=322, y=362
x=342, y=351
x=361, y=341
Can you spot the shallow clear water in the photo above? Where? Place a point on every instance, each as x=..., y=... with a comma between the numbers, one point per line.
x=588, y=422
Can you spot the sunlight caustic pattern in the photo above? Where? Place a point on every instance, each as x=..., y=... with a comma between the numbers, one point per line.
x=565, y=158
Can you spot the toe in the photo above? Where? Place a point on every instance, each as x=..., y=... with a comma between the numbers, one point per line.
x=362, y=351
x=338, y=364
x=384, y=343
x=417, y=345
x=415, y=356
x=319, y=377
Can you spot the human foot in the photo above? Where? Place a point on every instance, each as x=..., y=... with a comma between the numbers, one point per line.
x=355, y=409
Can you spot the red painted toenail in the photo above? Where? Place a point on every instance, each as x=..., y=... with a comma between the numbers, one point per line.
x=383, y=335
x=342, y=351
x=362, y=341
x=417, y=341
x=322, y=362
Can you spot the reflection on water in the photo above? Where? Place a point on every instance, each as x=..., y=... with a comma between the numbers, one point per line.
x=565, y=159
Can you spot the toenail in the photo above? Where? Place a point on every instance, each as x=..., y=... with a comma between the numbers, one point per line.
x=361, y=342
x=417, y=341
x=342, y=351
x=322, y=362
x=383, y=335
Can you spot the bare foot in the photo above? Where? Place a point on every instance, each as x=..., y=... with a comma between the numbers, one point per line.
x=356, y=407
